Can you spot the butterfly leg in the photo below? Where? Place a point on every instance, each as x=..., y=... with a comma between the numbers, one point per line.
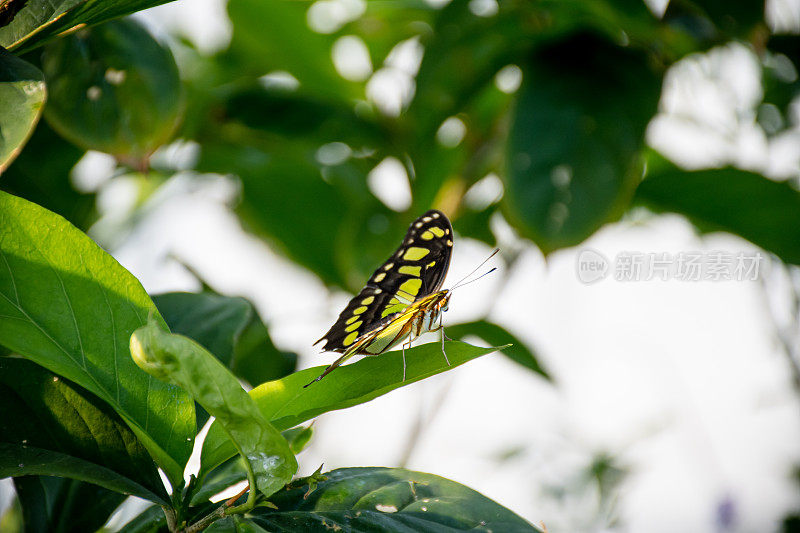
x=441, y=327
x=404, y=357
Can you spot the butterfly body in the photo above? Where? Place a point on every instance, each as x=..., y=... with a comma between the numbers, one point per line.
x=418, y=318
x=402, y=299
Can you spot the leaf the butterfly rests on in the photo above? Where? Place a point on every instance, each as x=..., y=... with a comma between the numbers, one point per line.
x=401, y=297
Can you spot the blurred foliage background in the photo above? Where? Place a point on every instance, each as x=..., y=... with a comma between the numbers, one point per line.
x=342, y=120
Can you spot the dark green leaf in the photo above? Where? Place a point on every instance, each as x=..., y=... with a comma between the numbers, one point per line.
x=475, y=224
x=574, y=148
x=69, y=306
x=385, y=24
x=731, y=19
x=262, y=32
x=273, y=188
x=184, y=362
x=45, y=180
x=386, y=499
x=235, y=524
x=41, y=20
x=286, y=403
x=462, y=55
x=288, y=114
x=349, y=226
x=52, y=426
x=256, y=359
x=496, y=336
x=59, y=505
x=765, y=212
x=230, y=329
x=226, y=475
x=781, y=81
x=113, y=88
x=22, y=95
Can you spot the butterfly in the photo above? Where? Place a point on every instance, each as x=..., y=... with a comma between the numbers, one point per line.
x=401, y=300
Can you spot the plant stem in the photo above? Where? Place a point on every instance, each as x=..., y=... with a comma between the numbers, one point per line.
x=207, y=520
x=223, y=510
x=172, y=523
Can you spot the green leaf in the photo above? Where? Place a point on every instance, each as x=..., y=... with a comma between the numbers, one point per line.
x=235, y=524
x=765, y=212
x=226, y=475
x=274, y=185
x=52, y=426
x=22, y=95
x=574, y=148
x=187, y=364
x=230, y=329
x=261, y=31
x=731, y=19
x=286, y=403
x=475, y=224
x=385, y=24
x=113, y=88
x=45, y=180
x=494, y=335
x=58, y=505
x=292, y=115
x=386, y=499
x=298, y=438
x=70, y=307
x=42, y=20
x=780, y=80
x=462, y=55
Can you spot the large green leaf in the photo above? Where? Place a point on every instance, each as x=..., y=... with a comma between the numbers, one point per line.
x=226, y=475
x=69, y=306
x=41, y=20
x=22, y=95
x=274, y=187
x=574, y=148
x=351, y=230
x=45, y=180
x=384, y=499
x=385, y=24
x=230, y=329
x=287, y=403
x=292, y=115
x=780, y=81
x=462, y=55
x=52, y=426
x=58, y=505
x=182, y=361
x=262, y=32
x=497, y=336
x=716, y=20
x=763, y=211
x=113, y=88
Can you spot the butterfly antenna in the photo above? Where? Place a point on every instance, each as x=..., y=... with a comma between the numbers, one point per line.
x=461, y=281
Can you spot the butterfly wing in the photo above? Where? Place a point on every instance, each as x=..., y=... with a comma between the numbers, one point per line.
x=416, y=269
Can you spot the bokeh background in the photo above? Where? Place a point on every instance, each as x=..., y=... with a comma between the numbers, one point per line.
x=278, y=150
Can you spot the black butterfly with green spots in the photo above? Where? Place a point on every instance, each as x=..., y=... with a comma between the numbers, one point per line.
x=415, y=270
